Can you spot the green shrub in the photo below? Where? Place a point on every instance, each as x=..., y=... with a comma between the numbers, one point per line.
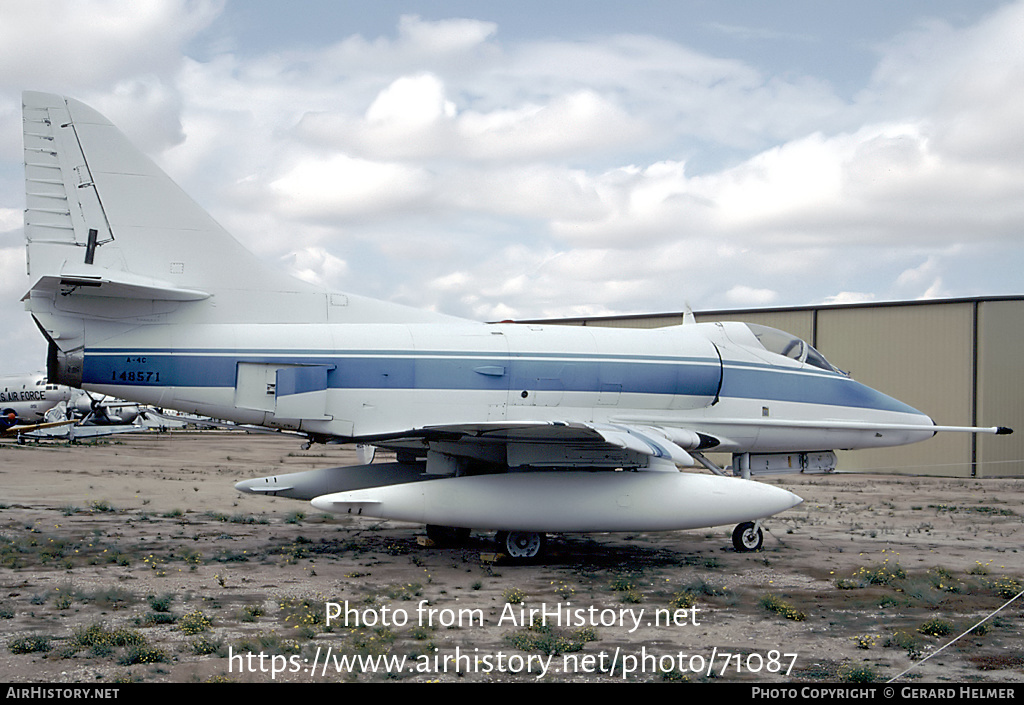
x=162, y=603
x=29, y=645
x=141, y=653
x=514, y=596
x=776, y=605
x=936, y=627
x=858, y=673
x=194, y=623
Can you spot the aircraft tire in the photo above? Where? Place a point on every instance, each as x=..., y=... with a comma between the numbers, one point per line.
x=521, y=546
x=747, y=537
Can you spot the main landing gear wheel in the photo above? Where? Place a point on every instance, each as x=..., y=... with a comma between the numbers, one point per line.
x=520, y=546
x=747, y=537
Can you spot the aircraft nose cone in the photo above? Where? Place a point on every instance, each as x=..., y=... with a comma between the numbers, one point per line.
x=771, y=499
x=795, y=499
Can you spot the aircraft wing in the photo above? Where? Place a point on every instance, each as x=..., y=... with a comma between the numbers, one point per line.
x=207, y=422
x=72, y=429
x=26, y=429
x=80, y=432
x=626, y=443
x=563, y=444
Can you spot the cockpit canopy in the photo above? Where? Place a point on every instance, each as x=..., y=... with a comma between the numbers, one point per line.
x=783, y=343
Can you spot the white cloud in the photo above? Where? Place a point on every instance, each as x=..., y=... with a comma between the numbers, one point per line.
x=455, y=36
x=966, y=82
x=317, y=266
x=453, y=281
x=921, y=282
x=849, y=297
x=345, y=187
x=10, y=219
x=569, y=124
x=454, y=44
x=15, y=282
x=413, y=118
x=89, y=44
x=742, y=295
x=410, y=103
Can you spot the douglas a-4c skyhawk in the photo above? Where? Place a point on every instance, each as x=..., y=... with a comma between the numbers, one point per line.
x=519, y=429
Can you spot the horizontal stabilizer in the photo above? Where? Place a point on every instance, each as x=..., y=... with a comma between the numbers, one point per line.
x=112, y=284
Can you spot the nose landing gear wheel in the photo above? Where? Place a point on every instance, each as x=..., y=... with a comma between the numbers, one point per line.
x=747, y=537
x=520, y=546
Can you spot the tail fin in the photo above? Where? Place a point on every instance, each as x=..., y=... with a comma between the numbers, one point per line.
x=114, y=242
x=99, y=210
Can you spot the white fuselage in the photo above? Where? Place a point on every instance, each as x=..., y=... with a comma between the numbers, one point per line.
x=373, y=380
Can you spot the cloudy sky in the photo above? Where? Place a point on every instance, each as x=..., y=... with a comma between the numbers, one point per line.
x=539, y=159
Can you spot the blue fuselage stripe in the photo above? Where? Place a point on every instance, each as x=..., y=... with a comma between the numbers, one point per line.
x=478, y=371
x=436, y=371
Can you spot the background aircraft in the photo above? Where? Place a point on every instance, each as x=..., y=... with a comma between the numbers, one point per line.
x=101, y=410
x=520, y=429
x=24, y=399
x=59, y=426
x=33, y=408
x=21, y=431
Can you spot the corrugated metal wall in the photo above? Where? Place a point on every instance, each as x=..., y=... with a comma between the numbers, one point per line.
x=1000, y=392
x=921, y=355
x=960, y=361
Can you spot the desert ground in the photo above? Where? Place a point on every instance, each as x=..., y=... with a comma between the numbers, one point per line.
x=134, y=559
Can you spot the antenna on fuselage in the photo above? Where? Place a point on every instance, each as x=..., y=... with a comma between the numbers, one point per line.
x=688, y=317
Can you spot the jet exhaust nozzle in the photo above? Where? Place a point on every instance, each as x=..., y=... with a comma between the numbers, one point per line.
x=69, y=368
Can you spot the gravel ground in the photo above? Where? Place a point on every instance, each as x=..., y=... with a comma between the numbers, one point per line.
x=134, y=559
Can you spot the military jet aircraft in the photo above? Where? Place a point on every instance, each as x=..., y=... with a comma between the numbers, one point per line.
x=521, y=429
x=25, y=399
